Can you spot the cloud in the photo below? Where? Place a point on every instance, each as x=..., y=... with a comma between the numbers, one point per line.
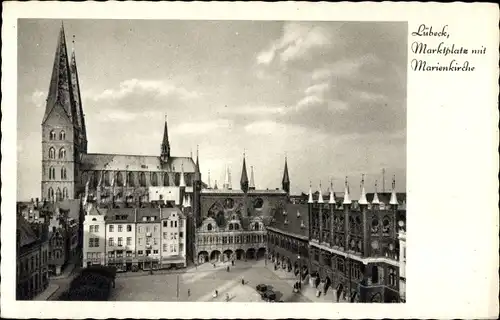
x=38, y=98
x=134, y=86
x=195, y=128
x=269, y=127
x=296, y=42
x=318, y=88
x=254, y=110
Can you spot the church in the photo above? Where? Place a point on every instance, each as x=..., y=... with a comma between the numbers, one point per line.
x=68, y=170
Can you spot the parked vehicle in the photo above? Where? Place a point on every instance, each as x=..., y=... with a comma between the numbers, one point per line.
x=261, y=288
x=269, y=296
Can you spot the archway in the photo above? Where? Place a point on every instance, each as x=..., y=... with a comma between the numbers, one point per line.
x=250, y=253
x=261, y=253
x=240, y=254
x=202, y=257
x=228, y=255
x=215, y=255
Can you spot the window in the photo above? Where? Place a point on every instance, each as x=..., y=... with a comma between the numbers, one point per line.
x=52, y=173
x=96, y=242
x=144, y=219
x=62, y=135
x=181, y=234
x=374, y=274
x=91, y=228
x=181, y=248
x=129, y=254
x=65, y=193
x=165, y=248
x=120, y=228
x=140, y=252
x=91, y=242
x=155, y=251
x=111, y=254
x=120, y=241
x=392, y=277
x=224, y=240
x=140, y=230
x=171, y=224
x=257, y=226
x=111, y=228
x=139, y=241
x=181, y=223
x=236, y=226
x=154, y=179
x=52, y=135
x=155, y=228
x=62, y=153
x=110, y=242
x=142, y=179
x=209, y=227
x=148, y=252
x=155, y=241
x=52, y=153
x=129, y=241
x=175, y=224
x=96, y=228
x=51, y=193
x=165, y=224
x=58, y=194
x=148, y=229
x=129, y=228
x=165, y=234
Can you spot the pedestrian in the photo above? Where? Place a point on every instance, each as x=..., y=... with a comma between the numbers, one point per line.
x=227, y=297
x=242, y=281
x=227, y=268
x=232, y=262
x=189, y=293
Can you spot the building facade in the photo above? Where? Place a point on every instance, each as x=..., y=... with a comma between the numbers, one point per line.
x=355, y=250
x=94, y=231
x=173, y=238
x=148, y=238
x=32, y=275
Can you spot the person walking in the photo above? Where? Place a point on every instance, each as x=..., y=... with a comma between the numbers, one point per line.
x=242, y=281
x=189, y=293
x=227, y=297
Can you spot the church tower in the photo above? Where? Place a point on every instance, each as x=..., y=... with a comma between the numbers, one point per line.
x=165, y=144
x=63, y=134
x=197, y=189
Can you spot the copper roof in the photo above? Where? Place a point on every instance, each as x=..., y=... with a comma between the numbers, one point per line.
x=95, y=161
x=294, y=222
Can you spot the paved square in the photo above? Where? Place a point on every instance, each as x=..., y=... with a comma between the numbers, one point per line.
x=202, y=284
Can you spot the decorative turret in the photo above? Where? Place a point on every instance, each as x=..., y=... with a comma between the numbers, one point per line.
x=394, y=200
x=320, y=192
x=347, y=200
x=244, y=176
x=197, y=159
x=229, y=180
x=310, y=200
x=165, y=144
x=182, y=182
x=285, y=182
x=332, y=194
x=215, y=185
x=362, y=199
x=252, y=181
x=375, y=201
x=209, y=186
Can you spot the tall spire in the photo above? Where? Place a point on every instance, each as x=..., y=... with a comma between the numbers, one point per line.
x=285, y=183
x=209, y=183
x=165, y=144
x=362, y=198
x=394, y=199
x=375, y=196
x=244, y=176
x=225, y=185
x=197, y=158
x=80, y=116
x=310, y=200
x=229, y=183
x=320, y=192
x=215, y=185
x=182, y=182
x=347, y=200
x=60, y=97
x=252, y=181
x=332, y=194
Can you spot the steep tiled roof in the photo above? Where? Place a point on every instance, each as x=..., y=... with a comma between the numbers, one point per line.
x=95, y=161
x=226, y=191
x=127, y=213
x=72, y=205
x=293, y=225
x=148, y=212
x=166, y=212
x=26, y=234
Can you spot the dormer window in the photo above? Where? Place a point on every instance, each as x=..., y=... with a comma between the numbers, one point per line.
x=284, y=212
x=286, y=221
x=298, y=214
x=302, y=225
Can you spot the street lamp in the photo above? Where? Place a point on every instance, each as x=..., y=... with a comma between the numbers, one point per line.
x=300, y=272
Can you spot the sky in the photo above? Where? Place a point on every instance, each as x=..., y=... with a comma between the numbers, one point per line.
x=330, y=96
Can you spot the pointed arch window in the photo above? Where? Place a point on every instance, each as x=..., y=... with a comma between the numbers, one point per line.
x=154, y=179
x=58, y=194
x=65, y=193
x=130, y=179
x=52, y=153
x=165, y=179
x=119, y=179
x=142, y=179
x=62, y=135
x=52, y=173
x=107, y=181
x=52, y=135
x=50, y=194
x=62, y=153
x=63, y=173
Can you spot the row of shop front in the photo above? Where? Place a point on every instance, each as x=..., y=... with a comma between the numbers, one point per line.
x=141, y=263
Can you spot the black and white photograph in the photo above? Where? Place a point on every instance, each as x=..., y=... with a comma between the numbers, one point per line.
x=236, y=161
x=213, y=160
